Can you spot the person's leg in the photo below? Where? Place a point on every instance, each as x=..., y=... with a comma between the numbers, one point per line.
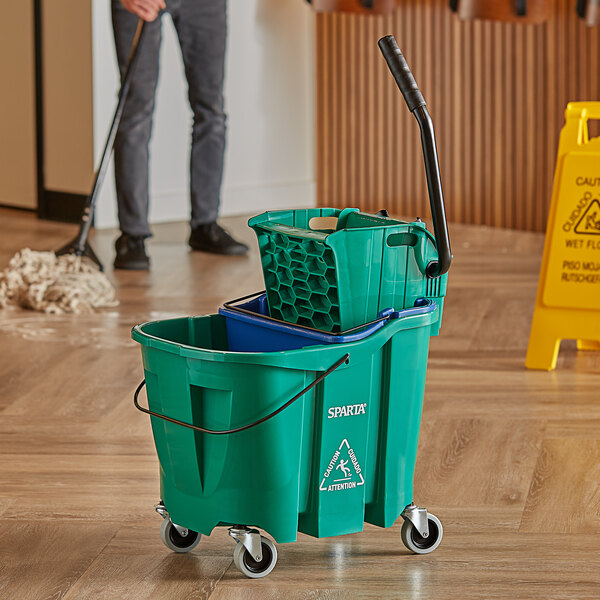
x=133, y=137
x=202, y=29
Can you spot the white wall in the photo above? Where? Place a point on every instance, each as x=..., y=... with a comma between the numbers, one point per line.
x=269, y=100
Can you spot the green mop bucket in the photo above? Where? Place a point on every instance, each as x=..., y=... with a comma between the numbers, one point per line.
x=317, y=440
x=334, y=269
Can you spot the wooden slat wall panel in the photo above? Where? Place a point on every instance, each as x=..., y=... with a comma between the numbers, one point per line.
x=496, y=91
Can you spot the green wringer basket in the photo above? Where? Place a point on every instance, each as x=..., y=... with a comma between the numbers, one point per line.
x=334, y=269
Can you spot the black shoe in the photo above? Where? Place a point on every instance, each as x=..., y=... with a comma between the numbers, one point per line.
x=131, y=253
x=213, y=238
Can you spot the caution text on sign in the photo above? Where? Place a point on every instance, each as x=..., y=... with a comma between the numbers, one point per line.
x=343, y=471
x=573, y=272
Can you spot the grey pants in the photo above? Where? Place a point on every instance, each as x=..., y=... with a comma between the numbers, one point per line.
x=201, y=27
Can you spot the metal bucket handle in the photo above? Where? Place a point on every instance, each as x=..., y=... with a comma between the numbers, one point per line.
x=309, y=387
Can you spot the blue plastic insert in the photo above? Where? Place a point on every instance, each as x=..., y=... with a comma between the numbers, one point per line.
x=258, y=333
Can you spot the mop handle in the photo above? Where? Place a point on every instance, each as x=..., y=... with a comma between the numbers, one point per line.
x=88, y=209
x=418, y=107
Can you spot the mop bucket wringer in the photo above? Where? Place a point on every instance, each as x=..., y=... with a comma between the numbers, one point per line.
x=302, y=423
x=339, y=278
x=334, y=269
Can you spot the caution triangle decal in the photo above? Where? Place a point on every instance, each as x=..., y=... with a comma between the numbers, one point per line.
x=589, y=224
x=343, y=471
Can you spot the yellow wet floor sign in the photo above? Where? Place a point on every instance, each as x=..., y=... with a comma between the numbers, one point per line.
x=568, y=298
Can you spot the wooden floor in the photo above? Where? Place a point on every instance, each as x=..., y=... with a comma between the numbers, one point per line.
x=508, y=459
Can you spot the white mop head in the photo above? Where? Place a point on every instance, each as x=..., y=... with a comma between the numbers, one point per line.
x=54, y=284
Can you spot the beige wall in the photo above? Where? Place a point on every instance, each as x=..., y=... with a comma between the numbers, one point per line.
x=68, y=110
x=17, y=106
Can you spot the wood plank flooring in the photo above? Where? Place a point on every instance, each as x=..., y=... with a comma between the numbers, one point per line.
x=509, y=459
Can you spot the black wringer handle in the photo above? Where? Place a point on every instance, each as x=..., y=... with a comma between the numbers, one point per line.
x=417, y=105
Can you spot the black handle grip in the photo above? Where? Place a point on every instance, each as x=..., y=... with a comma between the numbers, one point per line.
x=401, y=72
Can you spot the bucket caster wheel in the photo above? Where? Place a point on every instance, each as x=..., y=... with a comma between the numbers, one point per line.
x=420, y=544
x=178, y=539
x=253, y=568
x=254, y=555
